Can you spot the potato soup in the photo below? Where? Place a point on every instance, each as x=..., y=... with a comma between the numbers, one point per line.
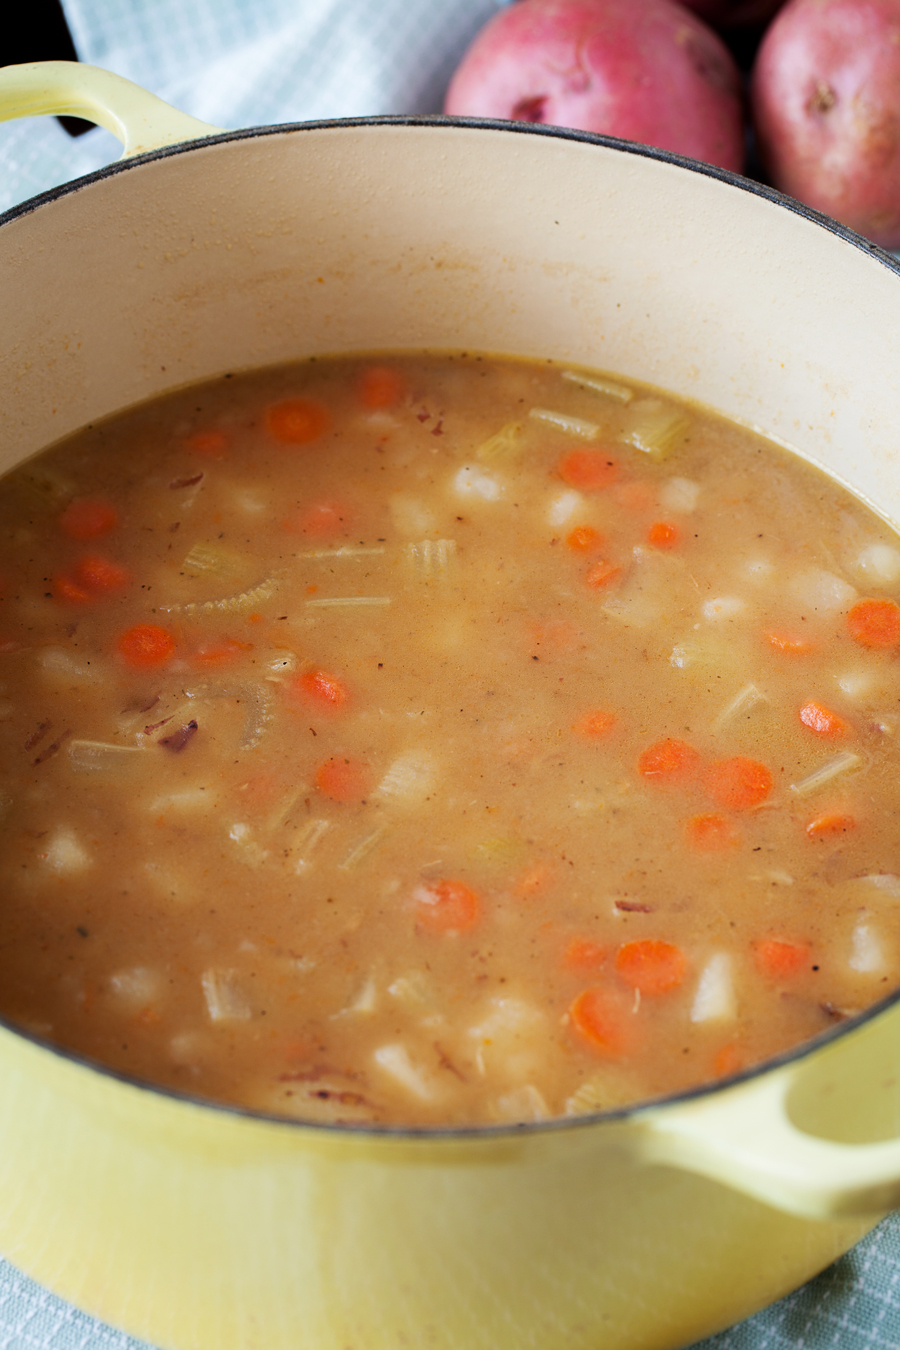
x=442, y=741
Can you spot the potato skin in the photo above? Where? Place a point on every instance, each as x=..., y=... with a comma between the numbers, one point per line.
x=646, y=70
x=826, y=105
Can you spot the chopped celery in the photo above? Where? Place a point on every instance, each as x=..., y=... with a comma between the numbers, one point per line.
x=213, y=560
x=826, y=773
x=502, y=445
x=230, y=604
x=343, y=553
x=92, y=756
x=572, y=426
x=255, y=698
x=307, y=841
x=609, y=388
x=363, y=848
x=348, y=601
x=431, y=557
x=654, y=427
x=747, y=701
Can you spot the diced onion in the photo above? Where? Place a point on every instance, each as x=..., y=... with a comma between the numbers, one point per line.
x=225, y=999
x=563, y=507
x=715, y=999
x=409, y=780
x=723, y=607
x=471, y=482
x=396, y=1063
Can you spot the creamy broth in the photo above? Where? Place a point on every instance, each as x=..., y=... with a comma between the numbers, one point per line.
x=436, y=740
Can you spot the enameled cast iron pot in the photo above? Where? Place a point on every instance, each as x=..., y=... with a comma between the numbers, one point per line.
x=204, y=1228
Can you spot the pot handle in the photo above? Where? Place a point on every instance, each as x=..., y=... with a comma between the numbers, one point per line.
x=751, y=1136
x=140, y=120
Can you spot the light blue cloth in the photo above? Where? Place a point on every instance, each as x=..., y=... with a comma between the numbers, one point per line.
x=249, y=62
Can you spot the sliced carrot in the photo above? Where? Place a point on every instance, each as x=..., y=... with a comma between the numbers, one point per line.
x=211, y=443
x=728, y=1061
x=822, y=720
x=343, y=780
x=532, y=881
x=446, y=906
x=596, y=724
x=88, y=518
x=652, y=966
x=792, y=644
x=589, y=470
x=321, y=520
x=582, y=953
x=635, y=496
x=663, y=535
x=222, y=653
x=712, y=834
x=146, y=645
x=297, y=421
x=737, y=784
x=90, y=579
x=669, y=761
x=585, y=539
x=601, y=1017
x=320, y=689
x=601, y=574
x=830, y=825
x=778, y=960
x=875, y=623
x=381, y=387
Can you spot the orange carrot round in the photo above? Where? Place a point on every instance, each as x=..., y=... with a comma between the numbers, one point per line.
x=101, y=576
x=875, y=623
x=210, y=443
x=792, y=644
x=381, y=387
x=224, y=652
x=601, y=574
x=652, y=966
x=321, y=520
x=728, y=1061
x=88, y=518
x=343, y=780
x=669, y=761
x=146, y=645
x=589, y=470
x=822, y=720
x=712, y=834
x=297, y=421
x=585, y=539
x=830, y=825
x=581, y=953
x=319, y=688
x=600, y=1016
x=778, y=960
x=663, y=535
x=446, y=906
x=635, y=496
x=737, y=784
x=595, y=725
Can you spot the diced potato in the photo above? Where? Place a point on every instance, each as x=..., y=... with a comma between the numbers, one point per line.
x=473, y=482
x=715, y=999
x=396, y=1062
x=66, y=854
x=136, y=986
x=867, y=953
x=822, y=592
x=524, y=1103
x=879, y=563
x=679, y=494
x=226, y=1000
x=563, y=507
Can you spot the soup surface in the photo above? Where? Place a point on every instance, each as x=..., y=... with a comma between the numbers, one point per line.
x=442, y=741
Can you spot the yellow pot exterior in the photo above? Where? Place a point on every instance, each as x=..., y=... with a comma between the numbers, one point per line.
x=200, y=1229
x=203, y=1230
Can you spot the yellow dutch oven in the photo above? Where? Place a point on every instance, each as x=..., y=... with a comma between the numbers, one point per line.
x=204, y=1228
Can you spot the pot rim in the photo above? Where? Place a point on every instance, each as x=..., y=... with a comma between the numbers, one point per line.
x=426, y=1133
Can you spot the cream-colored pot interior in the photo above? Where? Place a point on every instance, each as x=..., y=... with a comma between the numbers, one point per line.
x=201, y=1229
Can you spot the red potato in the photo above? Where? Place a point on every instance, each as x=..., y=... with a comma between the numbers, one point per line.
x=826, y=103
x=648, y=71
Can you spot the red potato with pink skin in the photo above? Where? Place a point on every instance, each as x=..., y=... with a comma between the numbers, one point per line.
x=826, y=103
x=649, y=71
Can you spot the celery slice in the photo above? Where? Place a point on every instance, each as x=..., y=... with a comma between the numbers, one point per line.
x=343, y=553
x=230, y=604
x=826, y=773
x=745, y=702
x=606, y=387
x=348, y=601
x=504, y=444
x=572, y=426
x=431, y=557
x=100, y=756
x=307, y=841
x=363, y=848
x=654, y=427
